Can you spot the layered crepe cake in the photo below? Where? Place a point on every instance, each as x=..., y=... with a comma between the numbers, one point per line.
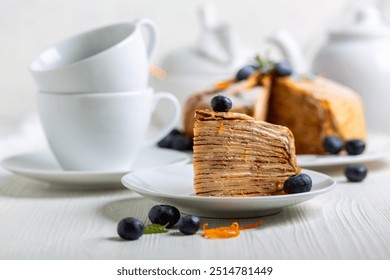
x=236, y=155
x=312, y=109
x=249, y=96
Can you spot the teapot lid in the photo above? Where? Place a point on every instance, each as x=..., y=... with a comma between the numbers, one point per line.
x=363, y=21
x=188, y=60
x=217, y=49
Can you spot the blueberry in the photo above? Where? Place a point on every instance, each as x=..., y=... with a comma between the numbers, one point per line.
x=221, y=103
x=355, y=173
x=166, y=142
x=283, y=69
x=189, y=225
x=355, y=147
x=165, y=215
x=130, y=228
x=174, y=132
x=176, y=140
x=333, y=144
x=245, y=72
x=181, y=143
x=298, y=183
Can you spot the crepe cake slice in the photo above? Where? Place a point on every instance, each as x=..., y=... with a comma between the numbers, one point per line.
x=236, y=155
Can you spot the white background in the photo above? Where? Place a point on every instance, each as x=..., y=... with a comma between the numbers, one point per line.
x=29, y=26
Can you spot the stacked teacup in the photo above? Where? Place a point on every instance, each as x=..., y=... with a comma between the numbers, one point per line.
x=94, y=102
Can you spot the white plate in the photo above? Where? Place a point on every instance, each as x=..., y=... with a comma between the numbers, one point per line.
x=174, y=185
x=378, y=147
x=44, y=167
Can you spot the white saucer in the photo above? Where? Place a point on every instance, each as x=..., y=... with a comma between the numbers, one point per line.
x=43, y=166
x=378, y=147
x=174, y=185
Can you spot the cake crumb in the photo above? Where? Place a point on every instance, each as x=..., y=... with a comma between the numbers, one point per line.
x=220, y=127
x=244, y=156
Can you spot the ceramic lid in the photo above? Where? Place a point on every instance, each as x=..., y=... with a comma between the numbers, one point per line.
x=362, y=22
x=216, y=51
x=187, y=60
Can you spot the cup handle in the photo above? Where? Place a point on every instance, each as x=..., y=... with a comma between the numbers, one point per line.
x=170, y=122
x=151, y=28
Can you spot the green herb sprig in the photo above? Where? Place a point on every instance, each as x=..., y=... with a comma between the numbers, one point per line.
x=154, y=229
x=265, y=65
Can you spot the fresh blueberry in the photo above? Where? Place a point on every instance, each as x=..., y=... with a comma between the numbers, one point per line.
x=189, y=225
x=355, y=147
x=165, y=215
x=283, y=69
x=355, y=173
x=176, y=140
x=221, y=103
x=130, y=228
x=298, y=183
x=245, y=72
x=333, y=144
x=181, y=143
x=166, y=142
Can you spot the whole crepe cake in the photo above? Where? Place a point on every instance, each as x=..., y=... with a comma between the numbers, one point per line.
x=313, y=108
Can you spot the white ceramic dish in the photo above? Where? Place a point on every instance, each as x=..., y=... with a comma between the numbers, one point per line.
x=174, y=185
x=378, y=147
x=43, y=166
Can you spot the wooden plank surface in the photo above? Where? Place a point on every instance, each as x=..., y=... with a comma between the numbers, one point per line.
x=38, y=221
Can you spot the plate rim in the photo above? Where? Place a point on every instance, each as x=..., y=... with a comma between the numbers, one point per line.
x=337, y=160
x=233, y=199
x=70, y=177
x=22, y=170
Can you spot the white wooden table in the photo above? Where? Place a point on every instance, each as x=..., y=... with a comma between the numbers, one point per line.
x=38, y=221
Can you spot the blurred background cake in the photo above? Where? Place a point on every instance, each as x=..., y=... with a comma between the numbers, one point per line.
x=249, y=96
x=313, y=108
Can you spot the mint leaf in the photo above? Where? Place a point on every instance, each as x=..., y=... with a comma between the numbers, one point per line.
x=154, y=228
x=265, y=65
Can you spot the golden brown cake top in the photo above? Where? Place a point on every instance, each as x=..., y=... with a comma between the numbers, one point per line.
x=320, y=88
x=208, y=114
x=205, y=114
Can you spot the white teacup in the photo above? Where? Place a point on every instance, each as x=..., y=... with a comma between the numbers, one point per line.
x=108, y=59
x=102, y=131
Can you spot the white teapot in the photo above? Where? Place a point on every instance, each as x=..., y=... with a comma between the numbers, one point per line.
x=356, y=55
x=216, y=55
